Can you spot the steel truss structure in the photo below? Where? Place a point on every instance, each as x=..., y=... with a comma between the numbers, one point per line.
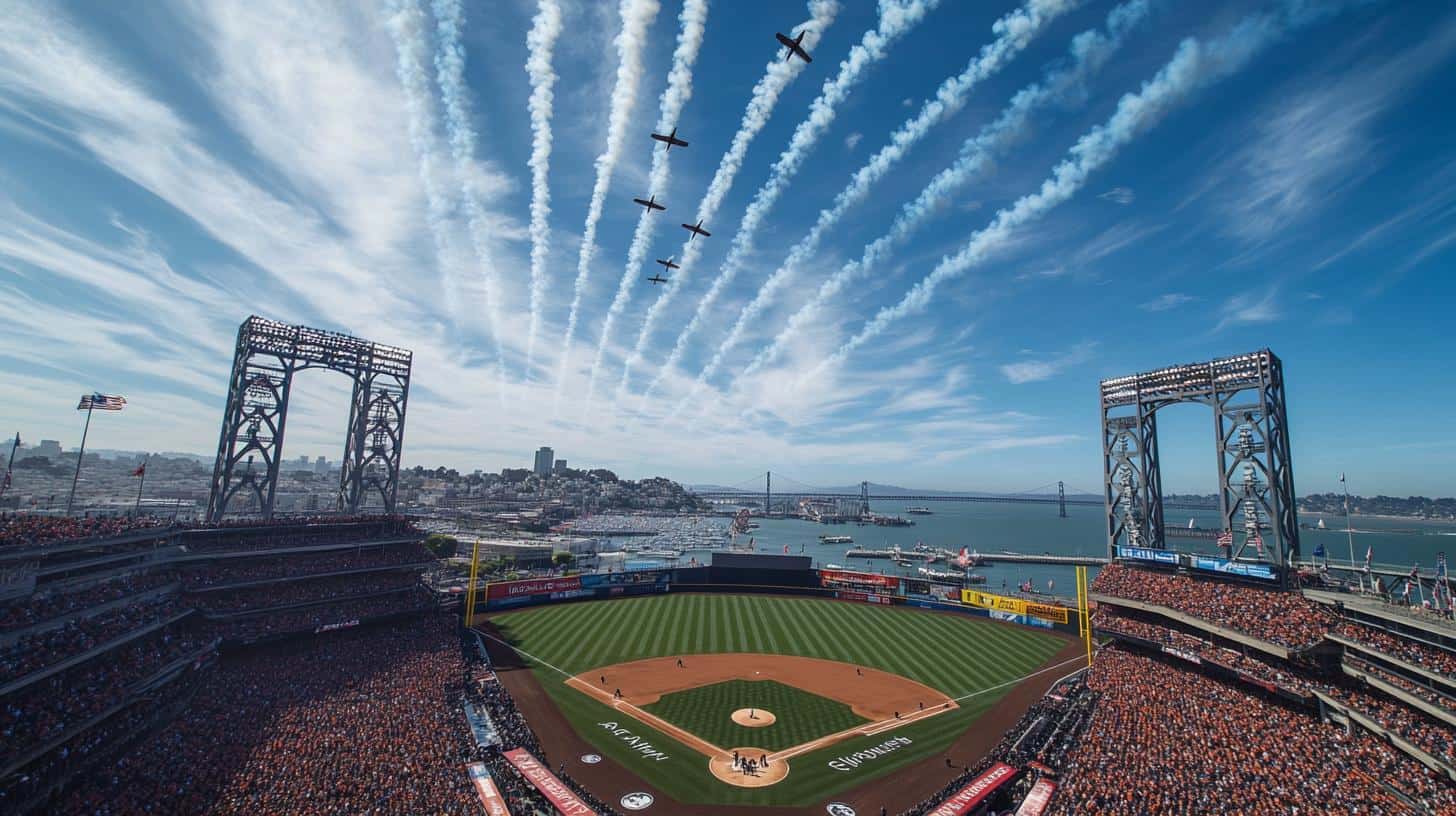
x=1251, y=429
x=268, y=354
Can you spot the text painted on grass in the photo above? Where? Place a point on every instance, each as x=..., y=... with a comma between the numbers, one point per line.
x=636, y=743
x=849, y=762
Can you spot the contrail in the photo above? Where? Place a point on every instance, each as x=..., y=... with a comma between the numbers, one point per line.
x=1195, y=65
x=1013, y=33
x=541, y=42
x=1089, y=52
x=637, y=15
x=679, y=90
x=450, y=76
x=777, y=75
x=407, y=26
x=896, y=18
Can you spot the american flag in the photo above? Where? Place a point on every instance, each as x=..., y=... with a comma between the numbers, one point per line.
x=101, y=402
x=1258, y=543
x=1226, y=538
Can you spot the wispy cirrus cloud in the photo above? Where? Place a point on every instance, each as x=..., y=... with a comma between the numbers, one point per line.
x=1167, y=302
x=1038, y=367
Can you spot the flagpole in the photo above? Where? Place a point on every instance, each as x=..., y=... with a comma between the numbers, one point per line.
x=79, y=456
x=138, y=510
x=1349, y=531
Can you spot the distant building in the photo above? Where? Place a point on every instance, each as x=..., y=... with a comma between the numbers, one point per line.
x=303, y=463
x=559, y=467
x=49, y=448
x=321, y=465
x=544, y=458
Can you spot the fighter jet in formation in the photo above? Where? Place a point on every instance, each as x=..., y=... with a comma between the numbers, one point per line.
x=671, y=139
x=650, y=203
x=794, y=46
x=656, y=279
x=696, y=230
x=668, y=264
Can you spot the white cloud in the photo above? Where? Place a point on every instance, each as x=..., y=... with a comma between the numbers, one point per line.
x=1250, y=307
x=852, y=140
x=1119, y=195
x=1046, y=366
x=1166, y=302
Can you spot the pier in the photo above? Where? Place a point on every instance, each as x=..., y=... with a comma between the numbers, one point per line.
x=984, y=558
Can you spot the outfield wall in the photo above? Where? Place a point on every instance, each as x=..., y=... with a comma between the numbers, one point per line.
x=838, y=584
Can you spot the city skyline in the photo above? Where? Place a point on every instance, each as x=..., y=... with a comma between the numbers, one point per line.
x=1285, y=183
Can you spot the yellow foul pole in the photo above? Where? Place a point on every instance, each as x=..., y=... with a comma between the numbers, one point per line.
x=470, y=587
x=1084, y=611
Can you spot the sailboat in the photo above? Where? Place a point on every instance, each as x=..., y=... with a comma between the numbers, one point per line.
x=1321, y=525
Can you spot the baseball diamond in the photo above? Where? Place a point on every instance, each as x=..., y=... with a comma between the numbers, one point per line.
x=857, y=691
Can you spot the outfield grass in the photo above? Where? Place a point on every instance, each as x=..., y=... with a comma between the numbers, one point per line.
x=962, y=656
x=799, y=715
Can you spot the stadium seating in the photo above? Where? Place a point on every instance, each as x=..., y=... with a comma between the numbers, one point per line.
x=29, y=529
x=1410, y=651
x=1284, y=618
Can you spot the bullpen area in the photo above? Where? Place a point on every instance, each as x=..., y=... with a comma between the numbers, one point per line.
x=755, y=700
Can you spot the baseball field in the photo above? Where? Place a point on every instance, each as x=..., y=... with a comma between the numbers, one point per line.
x=823, y=695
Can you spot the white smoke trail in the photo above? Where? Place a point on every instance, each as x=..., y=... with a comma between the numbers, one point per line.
x=637, y=16
x=407, y=28
x=896, y=18
x=693, y=18
x=1195, y=65
x=777, y=75
x=541, y=42
x=1090, y=50
x=1013, y=33
x=450, y=76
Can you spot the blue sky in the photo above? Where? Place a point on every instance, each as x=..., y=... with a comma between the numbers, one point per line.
x=1112, y=188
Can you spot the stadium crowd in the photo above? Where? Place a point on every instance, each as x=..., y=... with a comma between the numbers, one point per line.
x=263, y=569
x=45, y=606
x=367, y=721
x=1108, y=618
x=1285, y=618
x=1165, y=740
x=318, y=589
x=1424, y=692
x=344, y=614
x=44, y=710
x=1430, y=658
x=33, y=652
x=1427, y=733
x=30, y=529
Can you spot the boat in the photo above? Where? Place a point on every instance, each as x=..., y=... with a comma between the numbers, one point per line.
x=833, y=566
x=836, y=539
x=1321, y=525
x=919, y=511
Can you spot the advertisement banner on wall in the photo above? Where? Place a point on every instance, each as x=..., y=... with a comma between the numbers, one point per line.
x=485, y=789
x=1016, y=606
x=978, y=791
x=634, y=578
x=1038, y=798
x=1145, y=554
x=869, y=581
x=863, y=597
x=1263, y=572
x=560, y=796
x=502, y=590
x=1024, y=620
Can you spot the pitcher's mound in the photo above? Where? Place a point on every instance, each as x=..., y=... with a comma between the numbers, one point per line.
x=753, y=717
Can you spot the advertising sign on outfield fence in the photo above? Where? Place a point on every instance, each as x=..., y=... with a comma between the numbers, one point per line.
x=531, y=586
x=835, y=579
x=1016, y=606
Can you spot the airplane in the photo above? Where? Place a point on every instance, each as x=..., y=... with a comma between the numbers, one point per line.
x=794, y=48
x=671, y=139
x=668, y=263
x=656, y=279
x=650, y=204
x=697, y=230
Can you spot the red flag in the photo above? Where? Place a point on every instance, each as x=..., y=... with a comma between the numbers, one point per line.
x=141, y=471
x=786, y=549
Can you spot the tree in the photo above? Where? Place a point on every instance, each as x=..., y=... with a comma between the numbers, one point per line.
x=602, y=474
x=563, y=559
x=442, y=546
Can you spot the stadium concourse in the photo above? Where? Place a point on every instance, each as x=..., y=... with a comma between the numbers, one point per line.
x=302, y=666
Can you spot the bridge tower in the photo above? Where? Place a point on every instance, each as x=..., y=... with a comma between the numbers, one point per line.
x=1061, y=500
x=1251, y=432
x=767, y=491
x=864, y=498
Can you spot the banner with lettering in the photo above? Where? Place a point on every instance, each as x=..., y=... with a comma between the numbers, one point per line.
x=1016, y=606
x=1038, y=798
x=978, y=791
x=555, y=791
x=835, y=579
x=485, y=789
